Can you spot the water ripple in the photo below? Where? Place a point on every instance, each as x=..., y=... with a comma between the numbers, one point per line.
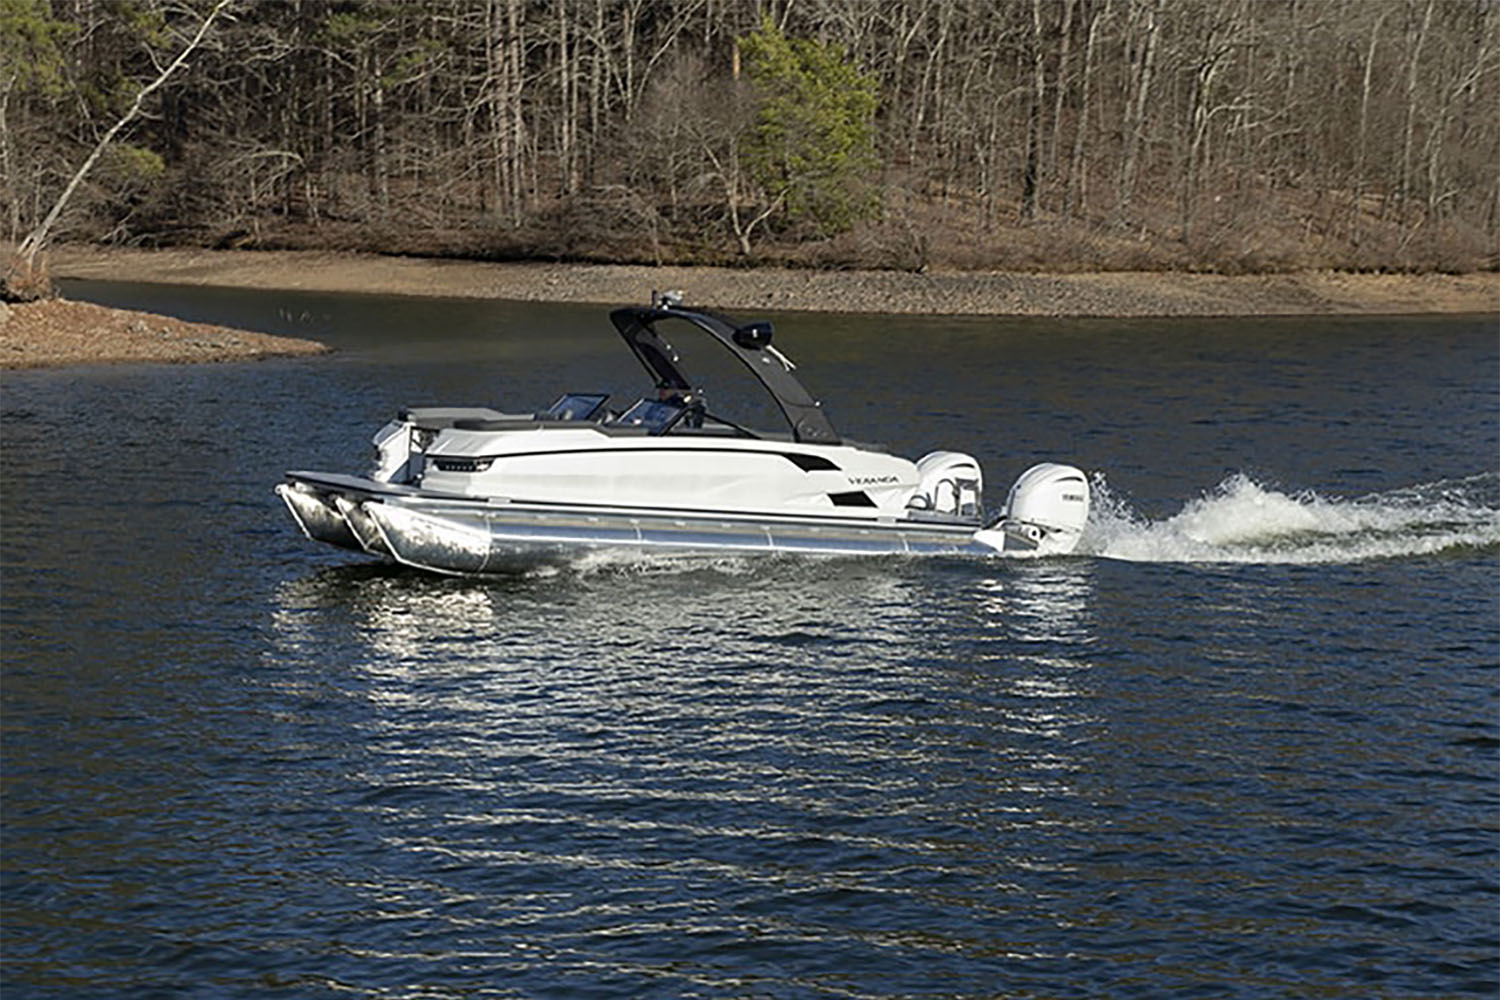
x=1248, y=747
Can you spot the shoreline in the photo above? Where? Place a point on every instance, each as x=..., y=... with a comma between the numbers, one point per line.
x=60, y=332
x=1121, y=295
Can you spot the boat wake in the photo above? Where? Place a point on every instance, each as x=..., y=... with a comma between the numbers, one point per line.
x=1243, y=521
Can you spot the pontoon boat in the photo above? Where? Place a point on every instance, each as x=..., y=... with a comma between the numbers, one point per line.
x=473, y=490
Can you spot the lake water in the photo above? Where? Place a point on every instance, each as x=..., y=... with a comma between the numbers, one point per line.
x=1247, y=746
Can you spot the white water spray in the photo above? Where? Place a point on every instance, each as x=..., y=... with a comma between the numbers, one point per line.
x=1242, y=521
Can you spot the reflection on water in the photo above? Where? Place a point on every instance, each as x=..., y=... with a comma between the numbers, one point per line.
x=714, y=748
x=1039, y=602
x=621, y=641
x=638, y=601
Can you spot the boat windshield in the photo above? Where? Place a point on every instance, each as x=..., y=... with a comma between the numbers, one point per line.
x=656, y=416
x=575, y=406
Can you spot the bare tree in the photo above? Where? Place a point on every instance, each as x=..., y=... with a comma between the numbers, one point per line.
x=518, y=126
x=1416, y=38
x=1364, y=123
x=1030, y=179
x=1076, y=195
x=1146, y=15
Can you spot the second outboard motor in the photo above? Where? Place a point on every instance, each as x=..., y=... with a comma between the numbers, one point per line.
x=1045, y=513
x=950, y=483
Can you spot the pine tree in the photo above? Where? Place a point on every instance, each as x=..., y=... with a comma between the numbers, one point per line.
x=812, y=144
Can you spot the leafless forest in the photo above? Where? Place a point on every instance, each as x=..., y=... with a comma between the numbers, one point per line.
x=1220, y=135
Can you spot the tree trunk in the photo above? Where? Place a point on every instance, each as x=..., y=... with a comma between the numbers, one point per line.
x=1135, y=112
x=12, y=196
x=567, y=94
x=492, y=191
x=1210, y=61
x=1364, y=120
x=1030, y=179
x=380, y=155
x=1076, y=196
x=1060, y=88
x=515, y=131
x=1404, y=187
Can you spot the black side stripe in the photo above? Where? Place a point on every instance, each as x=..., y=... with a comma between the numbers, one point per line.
x=857, y=498
x=810, y=463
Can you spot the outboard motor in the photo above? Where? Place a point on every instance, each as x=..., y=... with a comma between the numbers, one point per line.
x=1044, y=514
x=949, y=482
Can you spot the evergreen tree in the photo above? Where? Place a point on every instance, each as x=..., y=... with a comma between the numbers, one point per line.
x=812, y=144
x=30, y=40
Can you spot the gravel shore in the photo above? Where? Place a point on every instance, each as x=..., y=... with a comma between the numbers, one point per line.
x=69, y=333
x=1105, y=294
x=60, y=332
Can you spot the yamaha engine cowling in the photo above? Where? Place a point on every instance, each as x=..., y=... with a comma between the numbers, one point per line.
x=949, y=482
x=1045, y=513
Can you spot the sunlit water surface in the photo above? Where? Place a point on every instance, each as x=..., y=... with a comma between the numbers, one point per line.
x=1245, y=746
